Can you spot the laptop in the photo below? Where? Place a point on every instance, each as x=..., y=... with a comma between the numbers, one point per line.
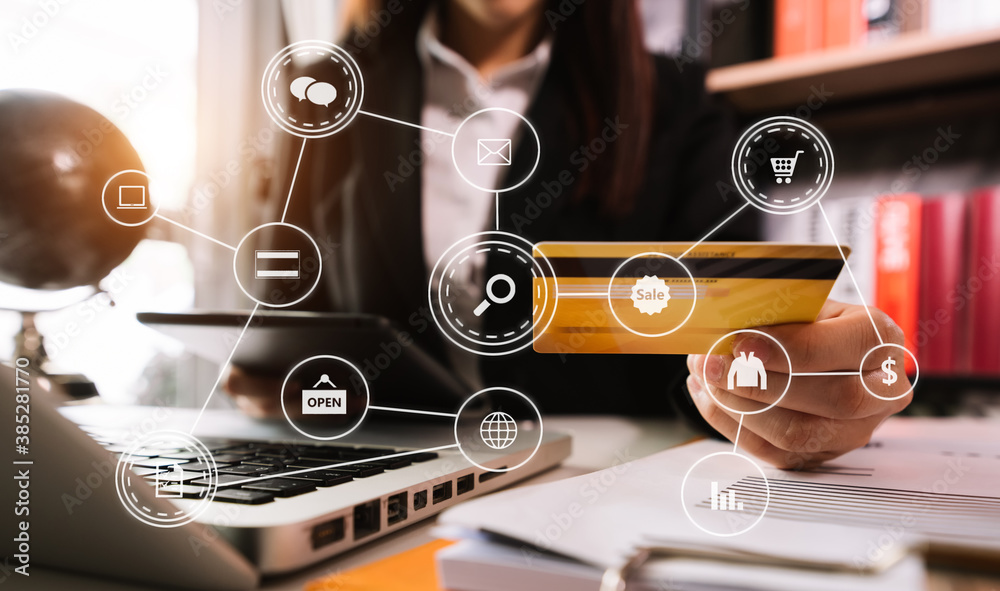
x=282, y=501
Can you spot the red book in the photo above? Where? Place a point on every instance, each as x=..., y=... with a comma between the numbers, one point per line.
x=897, y=264
x=942, y=273
x=982, y=289
x=798, y=26
x=845, y=23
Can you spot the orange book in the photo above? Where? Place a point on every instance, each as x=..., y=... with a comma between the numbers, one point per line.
x=897, y=264
x=844, y=23
x=413, y=570
x=798, y=26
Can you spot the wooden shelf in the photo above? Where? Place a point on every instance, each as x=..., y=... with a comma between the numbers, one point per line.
x=911, y=62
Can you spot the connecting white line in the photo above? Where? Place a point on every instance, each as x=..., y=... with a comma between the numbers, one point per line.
x=407, y=123
x=570, y=294
x=338, y=465
x=295, y=174
x=222, y=370
x=193, y=231
x=713, y=230
x=825, y=373
x=849, y=272
x=412, y=411
x=497, y=208
x=736, y=440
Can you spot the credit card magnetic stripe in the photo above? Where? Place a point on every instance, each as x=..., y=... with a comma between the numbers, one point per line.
x=734, y=268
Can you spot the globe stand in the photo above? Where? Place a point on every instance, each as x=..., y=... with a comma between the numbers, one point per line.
x=30, y=344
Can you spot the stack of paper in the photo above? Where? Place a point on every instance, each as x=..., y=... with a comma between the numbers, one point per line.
x=856, y=523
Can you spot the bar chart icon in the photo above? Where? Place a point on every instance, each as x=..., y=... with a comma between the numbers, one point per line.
x=276, y=264
x=724, y=501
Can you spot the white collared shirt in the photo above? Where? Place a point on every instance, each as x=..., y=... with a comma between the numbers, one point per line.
x=453, y=90
x=451, y=207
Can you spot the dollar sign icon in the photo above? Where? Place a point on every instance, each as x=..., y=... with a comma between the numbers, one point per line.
x=891, y=376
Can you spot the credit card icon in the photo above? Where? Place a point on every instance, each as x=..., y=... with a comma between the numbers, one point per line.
x=607, y=305
x=277, y=264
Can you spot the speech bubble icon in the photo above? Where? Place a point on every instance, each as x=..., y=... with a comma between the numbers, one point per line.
x=321, y=93
x=299, y=86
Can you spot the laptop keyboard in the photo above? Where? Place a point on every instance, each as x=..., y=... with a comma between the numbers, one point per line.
x=178, y=473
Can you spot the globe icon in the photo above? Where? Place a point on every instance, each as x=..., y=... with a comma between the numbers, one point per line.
x=498, y=430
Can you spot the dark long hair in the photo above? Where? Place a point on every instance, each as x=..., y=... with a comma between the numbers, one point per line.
x=600, y=44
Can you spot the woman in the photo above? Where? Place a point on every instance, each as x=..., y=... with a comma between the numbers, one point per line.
x=576, y=71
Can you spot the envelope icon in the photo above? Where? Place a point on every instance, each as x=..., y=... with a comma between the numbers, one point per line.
x=494, y=152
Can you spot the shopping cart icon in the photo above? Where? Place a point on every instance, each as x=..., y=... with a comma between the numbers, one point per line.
x=784, y=168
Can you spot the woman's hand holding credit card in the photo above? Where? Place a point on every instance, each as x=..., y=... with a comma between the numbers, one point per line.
x=797, y=378
x=820, y=416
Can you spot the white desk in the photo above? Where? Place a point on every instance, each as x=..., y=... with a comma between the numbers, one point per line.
x=596, y=443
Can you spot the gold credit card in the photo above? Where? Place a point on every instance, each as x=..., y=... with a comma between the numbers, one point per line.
x=673, y=297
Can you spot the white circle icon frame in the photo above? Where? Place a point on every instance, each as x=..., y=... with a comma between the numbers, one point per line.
x=534, y=166
x=788, y=384
x=149, y=183
x=249, y=294
x=132, y=504
x=611, y=304
x=283, y=58
x=510, y=240
x=916, y=376
x=354, y=368
x=753, y=133
x=767, y=496
x=541, y=428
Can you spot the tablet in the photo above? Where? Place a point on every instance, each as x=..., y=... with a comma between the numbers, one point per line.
x=397, y=370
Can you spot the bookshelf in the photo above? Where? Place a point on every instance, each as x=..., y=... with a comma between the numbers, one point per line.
x=889, y=103
x=911, y=62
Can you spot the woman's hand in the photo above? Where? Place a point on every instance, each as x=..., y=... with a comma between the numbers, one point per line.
x=821, y=417
x=257, y=396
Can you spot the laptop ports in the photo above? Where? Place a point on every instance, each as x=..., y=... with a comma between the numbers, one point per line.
x=395, y=509
x=442, y=492
x=465, y=484
x=419, y=500
x=327, y=533
x=487, y=476
x=367, y=518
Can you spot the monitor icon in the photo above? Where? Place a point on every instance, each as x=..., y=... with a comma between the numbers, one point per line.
x=132, y=197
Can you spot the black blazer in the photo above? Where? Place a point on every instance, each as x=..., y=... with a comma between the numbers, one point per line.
x=346, y=195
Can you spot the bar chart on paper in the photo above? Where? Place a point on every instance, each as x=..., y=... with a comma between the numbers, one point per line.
x=725, y=501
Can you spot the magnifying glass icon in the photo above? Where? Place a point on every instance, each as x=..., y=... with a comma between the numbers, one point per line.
x=491, y=297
